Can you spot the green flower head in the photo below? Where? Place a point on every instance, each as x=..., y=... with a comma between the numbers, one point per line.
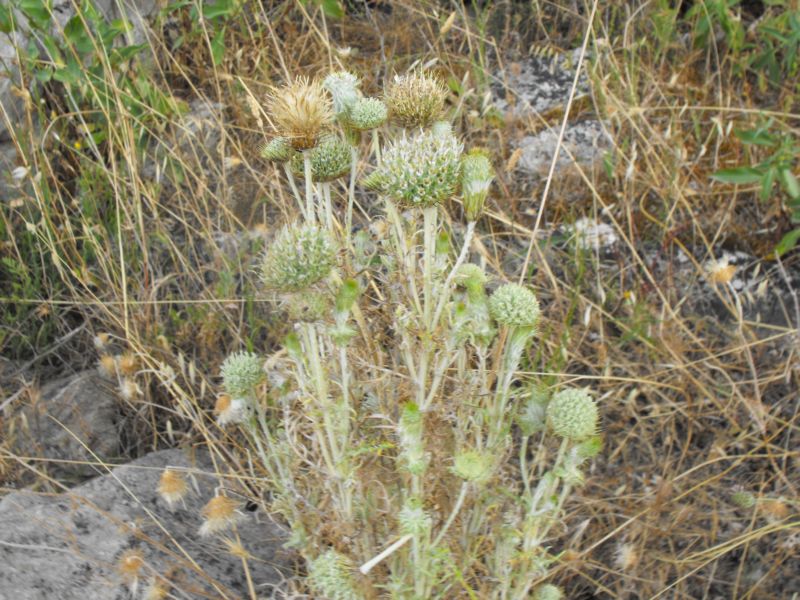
x=367, y=113
x=299, y=257
x=548, y=591
x=513, y=305
x=421, y=171
x=572, y=414
x=331, y=575
x=330, y=159
x=241, y=373
x=473, y=466
x=278, y=149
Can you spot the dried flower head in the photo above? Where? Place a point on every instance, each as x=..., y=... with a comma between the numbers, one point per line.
x=476, y=177
x=299, y=257
x=330, y=159
x=626, y=557
x=172, y=486
x=513, y=305
x=367, y=113
x=343, y=87
x=155, y=590
x=129, y=389
x=231, y=410
x=107, y=365
x=220, y=514
x=101, y=340
x=242, y=372
x=130, y=565
x=301, y=110
x=572, y=414
x=415, y=99
x=278, y=149
x=127, y=364
x=331, y=575
x=422, y=170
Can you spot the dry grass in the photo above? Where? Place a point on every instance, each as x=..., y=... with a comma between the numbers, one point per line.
x=695, y=406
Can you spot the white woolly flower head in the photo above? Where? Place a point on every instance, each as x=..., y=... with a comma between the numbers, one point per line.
x=242, y=372
x=299, y=257
x=367, y=113
x=343, y=87
x=513, y=305
x=572, y=414
x=331, y=575
x=422, y=170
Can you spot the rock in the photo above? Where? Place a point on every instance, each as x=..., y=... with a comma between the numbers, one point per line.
x=539, y=84
x=585, y=141
x=64, y=418
x=70, y=546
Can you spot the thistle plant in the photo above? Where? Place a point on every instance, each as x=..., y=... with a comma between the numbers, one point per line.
x=398, y=443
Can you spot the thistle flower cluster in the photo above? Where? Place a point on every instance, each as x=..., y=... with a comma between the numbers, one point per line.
x=422, y=170
x=331, y=575
x=241, y=373
x=299, y=257
x=301, y=110
x=416, y=99
x=572, y=414
x=513, y=305
x=476, y=177
x=330, y=159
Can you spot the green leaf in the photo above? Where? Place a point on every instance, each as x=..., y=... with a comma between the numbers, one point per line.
x=332, y=8
x=37, y=11
x=218, y=9
x=738, y=175
x=758, y=137
x=790, y=184
x=766, y=183
x=787, y=242
x=218, y=46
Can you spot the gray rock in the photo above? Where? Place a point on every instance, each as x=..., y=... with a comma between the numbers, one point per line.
x=585, y=141
x=66, y=417
x=13, y=105
x=538, y=84
x=68, y=547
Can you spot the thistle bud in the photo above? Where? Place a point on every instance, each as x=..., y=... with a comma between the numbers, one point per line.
x=367, y=113
x=476, y=177
x=331, y=575
x=743, y=499
x=299, y=257
x=330, y=159
x=375, y=182
x=548, y=591
x=242, y=372
x=472, y=277
x=442, y=129
x=415, y=99
x=278, y=149
x=473, y=466
x=513, y=305
x=572, y=414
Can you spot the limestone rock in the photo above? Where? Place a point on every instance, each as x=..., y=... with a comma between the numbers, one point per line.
x=585, y=141
x=66, y=417
x=69, y=546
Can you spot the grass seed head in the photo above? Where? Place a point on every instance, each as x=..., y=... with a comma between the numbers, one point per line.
x=130, y=565
x=415, y=99
x=301, y=111
x=107, y=365
x=572, y=414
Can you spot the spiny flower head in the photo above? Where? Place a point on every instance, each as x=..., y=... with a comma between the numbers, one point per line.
x=172, y=486
x=473, y=466
x=330, y=159
x=278, y=149
x=413, y=518
x=301, y=110
x=572, y=414
x=331, y=574
x=442, y=129
x=476, y=177
x=421, y=171
x=415, y=99
x=299, y=257
x=548, y=591
x=743, y=499
x=242, y=372
x=367, y=113
x=513, y=305
x=220, y=514
x=343, y=87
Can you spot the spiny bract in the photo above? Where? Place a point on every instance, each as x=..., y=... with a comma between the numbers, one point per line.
x=331, y=575
x=278, y=149
x=415, y=99
x=299, y=257
x=242, y=372
x=513, y=305
x=367, y=113
x=422, y=170
x=572, y=414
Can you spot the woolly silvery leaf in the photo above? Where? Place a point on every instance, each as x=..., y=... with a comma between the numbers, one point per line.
x=413, y=519
x=242, y=372
x=330, y=159
x=367, y=113
x=299, y=257
x=572, y=414
x=533, y=416
x=422, y=170
x=331, y=575
x=343, y=87
x=513, y=305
